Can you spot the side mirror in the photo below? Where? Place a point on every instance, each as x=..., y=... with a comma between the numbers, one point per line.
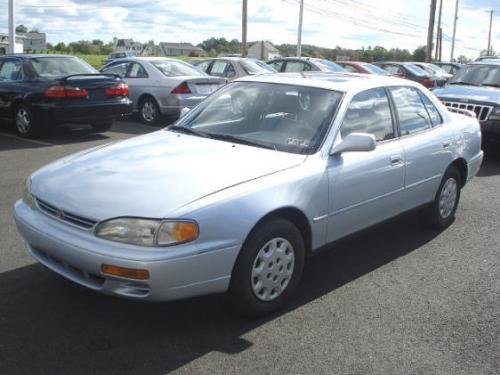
x=355, y=142
x=184, y=111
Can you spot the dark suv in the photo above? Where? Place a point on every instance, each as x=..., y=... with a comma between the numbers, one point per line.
x=476, y=87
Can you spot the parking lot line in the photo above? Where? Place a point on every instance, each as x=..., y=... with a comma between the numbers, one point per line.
x=37, y=142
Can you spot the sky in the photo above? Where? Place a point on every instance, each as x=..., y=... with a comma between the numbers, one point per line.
x=327, y=23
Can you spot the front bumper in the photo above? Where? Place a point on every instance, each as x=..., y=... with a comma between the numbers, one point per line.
x=82, y=113
x=78, y=255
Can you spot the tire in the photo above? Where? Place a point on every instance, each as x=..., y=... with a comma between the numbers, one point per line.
x=149, y=112
x=268, y=269
x=102, y=127
x=24, y=122
x=441, y=212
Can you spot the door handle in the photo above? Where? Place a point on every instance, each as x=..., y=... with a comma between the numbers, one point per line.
x=396, y=160
x=446, y=144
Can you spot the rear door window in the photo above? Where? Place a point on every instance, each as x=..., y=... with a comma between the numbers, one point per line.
x=220, y=68
x=136, y=70
x=432, y=110
x=10, y=70
x=412, y=114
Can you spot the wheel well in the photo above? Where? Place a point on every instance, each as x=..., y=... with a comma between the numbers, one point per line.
x=461, y=165
x=297, y=218
x=15, y=103
x=144, y=96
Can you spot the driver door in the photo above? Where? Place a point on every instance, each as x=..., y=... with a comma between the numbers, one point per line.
x=366, y=187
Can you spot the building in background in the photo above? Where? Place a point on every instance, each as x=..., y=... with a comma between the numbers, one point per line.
x=180, y=49
x=33, y=41
x=4, y=44
x=263, y=51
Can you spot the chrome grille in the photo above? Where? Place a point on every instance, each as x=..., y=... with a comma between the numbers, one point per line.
x=70, y=218
x=482, y=111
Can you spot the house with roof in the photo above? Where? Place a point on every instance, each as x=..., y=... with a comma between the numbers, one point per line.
x=263, y=50
x=34, y=41
x=180, y=49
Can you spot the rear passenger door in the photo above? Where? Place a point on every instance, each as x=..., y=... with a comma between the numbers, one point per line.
x=366, y=187
x=138, y=81
x=426, y=143
x=11, y=77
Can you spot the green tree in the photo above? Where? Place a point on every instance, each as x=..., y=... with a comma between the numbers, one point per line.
x=21, y=29
x=419, y=54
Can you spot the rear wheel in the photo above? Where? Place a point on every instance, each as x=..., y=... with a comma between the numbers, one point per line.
x=268, y=269
x=149, y=111
x=26, y=125
x=102, y=127
x=441, y=212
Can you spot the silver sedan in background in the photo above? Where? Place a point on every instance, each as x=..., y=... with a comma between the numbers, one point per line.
x=161, y=86
x=233, y=67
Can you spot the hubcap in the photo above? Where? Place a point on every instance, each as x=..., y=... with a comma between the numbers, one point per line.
x=448, y=197
x=148, y=111
x=23, y=121
x=272, y=269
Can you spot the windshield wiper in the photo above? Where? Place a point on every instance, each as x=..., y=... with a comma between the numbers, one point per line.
x=186, y=130
x=243, y=141
x=491, y=84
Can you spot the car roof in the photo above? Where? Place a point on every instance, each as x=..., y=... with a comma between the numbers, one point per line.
x=491, y=61
x=26, y=56
x=343, y=82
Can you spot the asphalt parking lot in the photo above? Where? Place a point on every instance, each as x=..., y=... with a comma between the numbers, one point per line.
x=395, y=299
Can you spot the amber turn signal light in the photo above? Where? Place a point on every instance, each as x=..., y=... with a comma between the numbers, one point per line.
x=129, y=273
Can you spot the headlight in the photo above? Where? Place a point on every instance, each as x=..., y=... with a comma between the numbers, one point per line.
x=495, y=114
x=148, y=232
x=27, y=196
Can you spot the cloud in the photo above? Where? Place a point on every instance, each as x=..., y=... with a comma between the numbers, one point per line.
x=327, y=23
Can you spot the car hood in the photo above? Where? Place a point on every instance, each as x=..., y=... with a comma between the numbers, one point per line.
x=469, y=93
x=152, y=175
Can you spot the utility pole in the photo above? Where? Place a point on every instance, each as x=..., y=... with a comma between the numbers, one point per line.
x=430, y=31
x=244, y=51
x=454, y=32
x=299, y=38
x=438, y=32
x=490, y=52
x=12, y=32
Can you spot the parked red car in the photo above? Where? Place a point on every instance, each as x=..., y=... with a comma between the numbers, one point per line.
x=362, y=67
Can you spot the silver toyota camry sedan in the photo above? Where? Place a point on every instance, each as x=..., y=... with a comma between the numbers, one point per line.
x=234, y=195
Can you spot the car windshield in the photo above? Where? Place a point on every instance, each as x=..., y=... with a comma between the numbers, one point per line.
x=416, y=70
x=55, y=67
x=437, y=69
x=276, y=116
x=253, y=67
x=327, y=65
x=478, y=75
x=176, y=68
x=375, y=69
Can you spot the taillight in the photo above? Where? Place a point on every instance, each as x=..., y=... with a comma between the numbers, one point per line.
x=183, y=88
x=427, y=82
x=119, y=90
x=57, y=92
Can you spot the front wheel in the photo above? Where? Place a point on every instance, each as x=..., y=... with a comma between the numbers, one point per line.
x=268, y=269
x=441, y=212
